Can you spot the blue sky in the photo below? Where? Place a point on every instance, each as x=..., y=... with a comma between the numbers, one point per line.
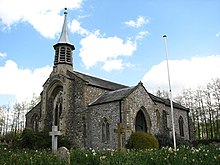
x=116, y=40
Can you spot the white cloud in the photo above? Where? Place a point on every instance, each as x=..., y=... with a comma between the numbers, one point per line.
x=96, y=48
x=75, y=27
x=107, y=51
x=184, y=73
x=218, y=34
x=140, y=21
x=3, y=54
x=22, y=82
x=43, y=15
x=113, y=65
x=141, y=35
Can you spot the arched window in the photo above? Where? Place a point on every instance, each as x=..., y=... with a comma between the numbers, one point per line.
x=57, y=108
x=181, y=122
x=35, y=122
x=140, y=123
x=164, y=118
x=105, y=131
x=158, y=118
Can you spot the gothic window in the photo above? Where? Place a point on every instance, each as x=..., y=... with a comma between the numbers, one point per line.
x=164, y=118
x=180, y=121
x=140, y=124
x=35, y=122
x=158, y=117
x=56, y=115
x=105, y=131
x=57, y=108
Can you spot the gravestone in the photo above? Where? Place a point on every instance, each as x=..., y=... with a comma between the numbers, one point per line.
x=63, y=155
x=55, y=133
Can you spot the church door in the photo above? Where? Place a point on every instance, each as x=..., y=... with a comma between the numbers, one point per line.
x=140, y=123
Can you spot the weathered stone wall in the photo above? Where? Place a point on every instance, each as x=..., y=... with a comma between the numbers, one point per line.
x=92, y=93
x=184, y=114
x=137, y=100
x=51, y=87
x=76, y=111
x=177, y=113
x=30, y=114
x=110, y=111
x=164, y=126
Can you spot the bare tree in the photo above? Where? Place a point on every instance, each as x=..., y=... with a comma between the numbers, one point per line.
x=2, y=120
x=215, y=88
x=20, y=109
x=34, y=101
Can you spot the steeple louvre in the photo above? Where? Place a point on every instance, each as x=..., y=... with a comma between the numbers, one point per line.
x=63, y=48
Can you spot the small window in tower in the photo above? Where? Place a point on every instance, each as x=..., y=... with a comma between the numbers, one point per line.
x=62, y=54
x=69, y=55
x=56, y=56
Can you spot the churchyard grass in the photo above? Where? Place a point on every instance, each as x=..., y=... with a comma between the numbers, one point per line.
x=203, y=155
x=10, y=156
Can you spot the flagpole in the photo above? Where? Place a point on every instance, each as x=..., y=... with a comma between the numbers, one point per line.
x=171, y=98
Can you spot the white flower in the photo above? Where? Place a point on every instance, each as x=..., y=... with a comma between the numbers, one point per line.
x=102, y=157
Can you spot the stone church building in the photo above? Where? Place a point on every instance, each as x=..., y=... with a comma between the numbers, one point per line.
x=88, y=109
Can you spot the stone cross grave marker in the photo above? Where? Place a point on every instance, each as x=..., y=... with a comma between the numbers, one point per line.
x=120, y=130
x=55, y=133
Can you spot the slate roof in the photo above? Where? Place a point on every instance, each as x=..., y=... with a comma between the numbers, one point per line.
x=113, y=96
x=94, y=81
x=175, y=105
x=38, y=107
x=167, y=102
x=117, y=91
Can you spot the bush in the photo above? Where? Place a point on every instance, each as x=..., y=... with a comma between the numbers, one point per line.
x=41, y=140
x=164, y=140
x=205, y=142
x=182, y=142
x=142, y=140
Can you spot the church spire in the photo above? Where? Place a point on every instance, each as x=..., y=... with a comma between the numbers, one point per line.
x=63, y=48
x=64, y=38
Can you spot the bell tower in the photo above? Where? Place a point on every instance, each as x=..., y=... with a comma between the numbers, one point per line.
x=63, y=50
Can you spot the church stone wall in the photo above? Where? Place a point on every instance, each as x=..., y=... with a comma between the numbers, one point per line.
x=110, y=111
x=30, y=114
x=177, y=114
x=92, y=93
x=137, y=100
x=76, y=112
